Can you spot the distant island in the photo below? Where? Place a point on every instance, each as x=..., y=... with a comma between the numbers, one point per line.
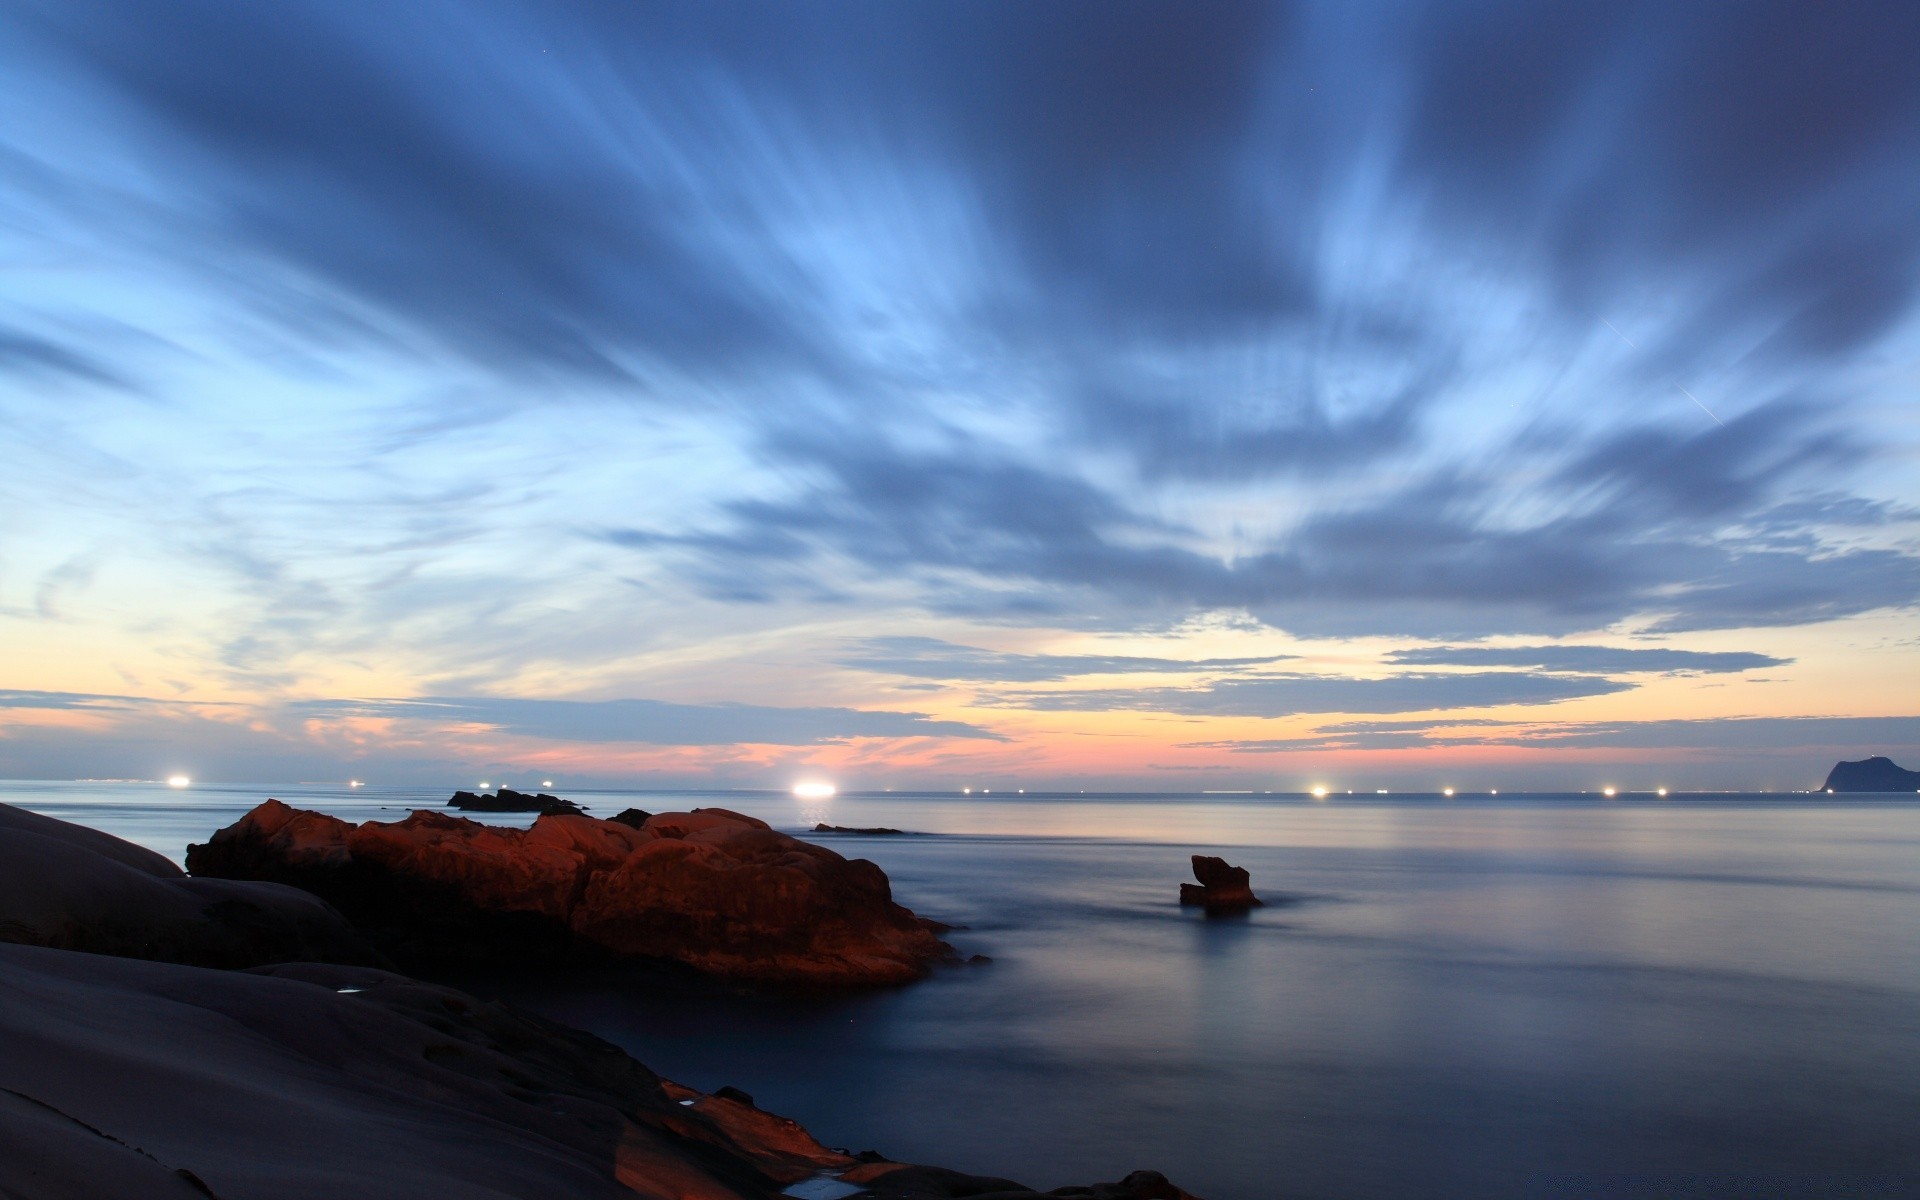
x=1876, y=774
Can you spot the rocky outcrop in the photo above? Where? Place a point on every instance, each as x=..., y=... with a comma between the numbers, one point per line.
x=713, y=890
x=872, y=830
x=509, y=801
x=74, y=888
x=313, y=1082
x=1222, y=888
x=1876, y=774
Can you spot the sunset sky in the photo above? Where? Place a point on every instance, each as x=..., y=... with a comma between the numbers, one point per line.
x=1097, y=395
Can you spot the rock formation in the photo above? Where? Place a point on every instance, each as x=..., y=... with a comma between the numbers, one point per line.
x=75, y=888
x=1876, y=774
x=312, y=1082
x=1222, y=887
x=711, y=889
x=508, y=800
x=823, y=827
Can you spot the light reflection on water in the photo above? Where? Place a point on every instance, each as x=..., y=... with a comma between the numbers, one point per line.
x=1526, y=996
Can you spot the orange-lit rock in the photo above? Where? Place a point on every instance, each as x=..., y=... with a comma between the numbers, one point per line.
x=718, y=891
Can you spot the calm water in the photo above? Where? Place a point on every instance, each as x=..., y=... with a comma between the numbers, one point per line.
x=1532, y=996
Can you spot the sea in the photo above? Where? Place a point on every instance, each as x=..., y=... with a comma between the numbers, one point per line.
x=1522, y=995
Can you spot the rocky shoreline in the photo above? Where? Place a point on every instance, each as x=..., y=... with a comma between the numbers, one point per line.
x=302, y=1080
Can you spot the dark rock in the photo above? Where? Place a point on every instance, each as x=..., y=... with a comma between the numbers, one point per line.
x=1876, y=774
x=729, y=1092
x=633, y=818
x=825, y=828
x=360, y=1083
x=509, y=800
x=74, y=888
x=1222, y=888
x=713, y=890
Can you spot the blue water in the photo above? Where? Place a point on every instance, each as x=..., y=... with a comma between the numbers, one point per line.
x=1522, y=996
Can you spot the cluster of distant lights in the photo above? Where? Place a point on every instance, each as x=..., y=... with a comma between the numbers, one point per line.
x=1321, y=792
x=826, y=791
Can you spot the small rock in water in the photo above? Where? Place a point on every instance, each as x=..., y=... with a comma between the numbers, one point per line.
x=1222, y=887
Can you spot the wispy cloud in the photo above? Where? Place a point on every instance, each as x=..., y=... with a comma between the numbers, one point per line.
x=931, y=658
x=653, y=722
x=1294, y=695
x=1592, y=660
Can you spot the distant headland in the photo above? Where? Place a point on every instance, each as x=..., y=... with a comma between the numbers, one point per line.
x=1876, y=774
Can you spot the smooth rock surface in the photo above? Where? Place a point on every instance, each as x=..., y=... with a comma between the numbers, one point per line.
x=711, y=889
x=312, y=1082
x=75, y=888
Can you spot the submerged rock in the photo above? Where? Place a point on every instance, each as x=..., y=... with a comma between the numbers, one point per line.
x=714, y=890
x=1222, y=887
x=74, y=888
x=1876, y=774
x=823, y=827
x=508, y=800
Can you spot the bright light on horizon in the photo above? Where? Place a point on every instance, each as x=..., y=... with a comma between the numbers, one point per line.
x=1609, y=791
x=178, y=781
x=1446, y=791
x=1320, y=792
x=814, y=791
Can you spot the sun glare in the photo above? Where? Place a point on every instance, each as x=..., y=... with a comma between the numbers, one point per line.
x=813, y=791
x=178, y=781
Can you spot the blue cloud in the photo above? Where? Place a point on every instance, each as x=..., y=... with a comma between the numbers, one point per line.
x=931, y=658
x=1594, y=660
x=1295, y=695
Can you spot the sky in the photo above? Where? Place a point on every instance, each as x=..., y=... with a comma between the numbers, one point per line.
x=1084, y=394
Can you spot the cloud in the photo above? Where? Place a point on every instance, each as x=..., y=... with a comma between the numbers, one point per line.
x=931, y=658
x=653, y=722
x=34, y=356
x=1840, y=735
x=1093, y=314
x=1756, y=733
x=1294, y=695
x=1595, y=660
x=1435, y=557
x=18, y=698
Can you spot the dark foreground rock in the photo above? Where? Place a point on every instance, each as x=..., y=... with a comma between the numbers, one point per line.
x=509, y=801
x=713, y=890
x=1876, y=774
x=310, y=1082
x=1222, y=887
x=75, y=888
